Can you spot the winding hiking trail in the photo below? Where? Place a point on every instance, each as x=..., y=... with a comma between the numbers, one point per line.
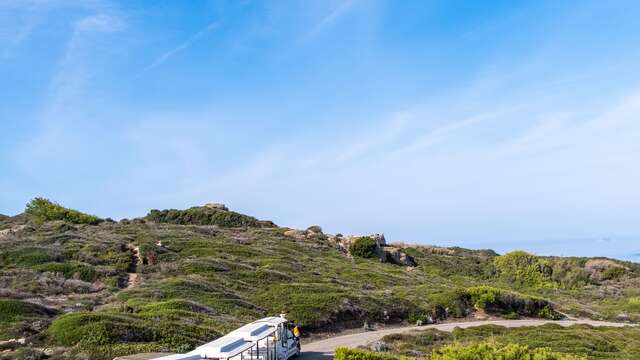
x=133, y=278
x=324, y=349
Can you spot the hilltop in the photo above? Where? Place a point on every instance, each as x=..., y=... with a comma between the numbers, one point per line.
x=81, y=286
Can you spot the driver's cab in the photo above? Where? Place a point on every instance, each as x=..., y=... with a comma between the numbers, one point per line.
x=288, y=345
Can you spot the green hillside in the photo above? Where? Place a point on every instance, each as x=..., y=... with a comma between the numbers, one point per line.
x=82, y=286
x=545, y=342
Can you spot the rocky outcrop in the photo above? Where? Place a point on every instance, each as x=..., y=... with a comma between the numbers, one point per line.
x=397, y=256
x=623, y=317
x=297, y=234
x=344, y=242
x=604, y=269
x=601, y=265
x=386, y=253
x=218, y=206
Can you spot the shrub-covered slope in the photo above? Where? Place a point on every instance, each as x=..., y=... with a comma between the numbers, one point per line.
x=581, y=340
x=474, y=351
x=177, y=278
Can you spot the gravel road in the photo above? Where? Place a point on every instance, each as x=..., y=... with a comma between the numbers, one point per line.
x=323, y=349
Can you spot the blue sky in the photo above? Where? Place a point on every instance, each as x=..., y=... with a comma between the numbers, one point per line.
x=470, y=123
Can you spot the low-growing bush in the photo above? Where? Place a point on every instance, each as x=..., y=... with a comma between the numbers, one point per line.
x=111, y=351
x=483, y=296
x=613, y=273
x=570, y=274
x=70, y=270
x=307, y=304
x=202, y=215
x=548, y=313
x=98, y=329
x=450, y=303
x=524, y=269
x=461, y=302
x=354, y=354
x=159, y=324
x=28, y=256
x=364, y=247
x=165, y=308
x=40, y=210
x=14, y=310
x=602, y=343
x=491, y=350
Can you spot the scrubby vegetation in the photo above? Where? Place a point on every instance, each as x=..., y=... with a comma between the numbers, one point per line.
x=202, y=215
x=355, y=354
x=582, y=341
x=14, y=310
x=476, y=351
x=40, y=210
x=462, y=302
x=178, y=278
x=19, y=317
x=525, y=269
x=492, y=350
x=364, y=247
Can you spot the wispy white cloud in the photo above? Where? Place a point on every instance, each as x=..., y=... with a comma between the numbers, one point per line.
x=501, y=157
x=100, y=23
x=436, y=179
x=61, y=128
x=344, y=7
x=440, y=134
x=183, y=46
x=19, y=35
x=74, y=69
x=21, y=18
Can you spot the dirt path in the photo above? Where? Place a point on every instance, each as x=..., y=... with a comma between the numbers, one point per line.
x=324, y=349
x=133, y=279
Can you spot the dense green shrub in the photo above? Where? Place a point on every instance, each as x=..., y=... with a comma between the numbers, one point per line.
x=111, y=351
x=28, y=256
x=342, y=353
x=483, y=296
x=70, y=270
x=455, y=303
x=175, y=306
x=613, y=273
x=364, y=247
x=461, y=302
x=161, y=324
x=40, y=210
x=491, y=350
x=602, y=343
x=524, y=269
x=548, y=313
x=98, y=329
x=306, y=304
x=596, y=342
x=13, y=310
x=202, y=215
x=570, y=273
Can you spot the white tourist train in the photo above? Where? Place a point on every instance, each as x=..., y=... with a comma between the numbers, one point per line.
x=271, y=338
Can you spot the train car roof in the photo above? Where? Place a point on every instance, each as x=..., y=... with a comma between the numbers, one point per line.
x=254, y=331
x=179, y=357
x=224, y=347
x=273, y=320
